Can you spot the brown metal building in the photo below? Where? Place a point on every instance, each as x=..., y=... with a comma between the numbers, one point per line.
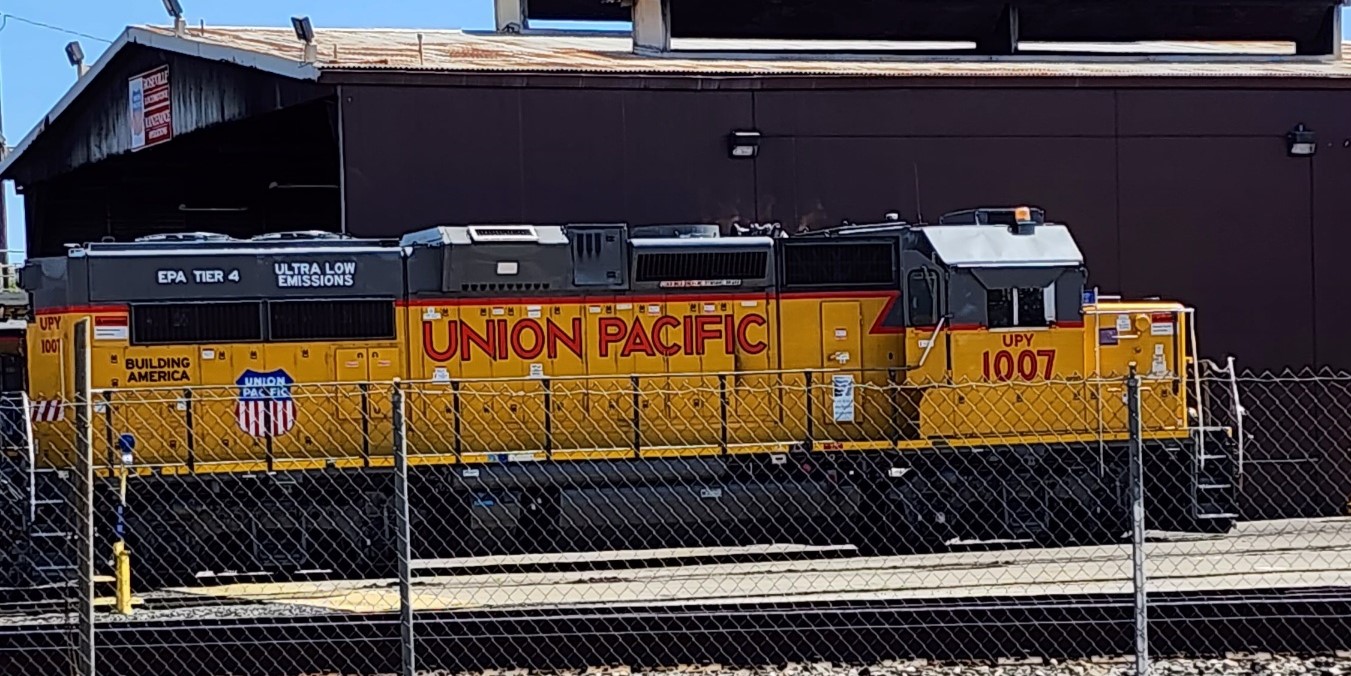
x=1172, y=170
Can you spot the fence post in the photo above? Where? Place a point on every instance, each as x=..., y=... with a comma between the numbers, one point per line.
x=84, y=500
x=408, y=665
x=1137, y=480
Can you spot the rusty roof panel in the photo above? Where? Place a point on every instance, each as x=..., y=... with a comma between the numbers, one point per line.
x=467, y=52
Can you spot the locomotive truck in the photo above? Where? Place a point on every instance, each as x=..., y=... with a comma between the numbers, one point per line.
x=595, y=386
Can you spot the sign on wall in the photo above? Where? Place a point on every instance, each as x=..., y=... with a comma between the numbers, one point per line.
x=151, y=108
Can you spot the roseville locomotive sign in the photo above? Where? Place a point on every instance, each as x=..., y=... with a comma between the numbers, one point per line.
x=150, y=108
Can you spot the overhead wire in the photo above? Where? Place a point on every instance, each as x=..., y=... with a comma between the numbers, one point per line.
x=4, y=23
x=4, y=145
x=5, y=17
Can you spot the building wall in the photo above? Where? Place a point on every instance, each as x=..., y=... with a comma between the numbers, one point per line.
x=97, y=126
x=1176, y=192
x=235, y=130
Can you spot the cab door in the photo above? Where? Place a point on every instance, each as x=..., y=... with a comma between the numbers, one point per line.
x=756, y=414
x=364, y=401
x=835, y=392
x=432, y=399
x=516, y=399
x=926, y=332
x=221, y=433
x=684, y=419
x=352, y=369
x=610, y=393
x=382, y=367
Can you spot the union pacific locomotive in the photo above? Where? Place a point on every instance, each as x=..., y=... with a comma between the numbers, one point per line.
x=594, y=386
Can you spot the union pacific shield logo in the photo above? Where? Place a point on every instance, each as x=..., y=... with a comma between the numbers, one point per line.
x=265, y=405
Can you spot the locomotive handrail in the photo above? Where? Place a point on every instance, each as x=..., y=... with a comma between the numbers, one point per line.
x=690, y=375
x=813, y=382
x=930, y=344
x=1230, y=372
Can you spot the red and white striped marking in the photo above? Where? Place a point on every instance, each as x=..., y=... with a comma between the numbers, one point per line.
x=253, y=416
x=48, y=410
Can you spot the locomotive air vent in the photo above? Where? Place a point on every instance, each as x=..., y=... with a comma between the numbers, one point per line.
x=700, y=231
x=700, y=265
x=503, y=233
x=297, y=234
x=507, y=286
x=185, y=237
x=591, y=244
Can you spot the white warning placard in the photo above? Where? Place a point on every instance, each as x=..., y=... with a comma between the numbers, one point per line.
x=842, y=398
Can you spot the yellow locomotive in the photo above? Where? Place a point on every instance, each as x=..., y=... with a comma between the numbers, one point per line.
x=600, y=385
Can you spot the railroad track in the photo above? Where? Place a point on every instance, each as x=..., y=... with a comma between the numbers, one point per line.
x=53, y=601
x=12, y=612
x=1300, y=620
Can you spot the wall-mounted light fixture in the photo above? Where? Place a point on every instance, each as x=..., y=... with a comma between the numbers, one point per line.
x=75, y=55
x=743, y=143
x=175, y=11
x=1300, y=141
x=305, y=33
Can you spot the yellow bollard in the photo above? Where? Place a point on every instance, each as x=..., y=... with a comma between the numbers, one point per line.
x=122, y=575
x=122, y=557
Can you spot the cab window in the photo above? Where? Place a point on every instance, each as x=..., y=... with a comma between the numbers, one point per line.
x=921, y=291
x=1020, y=307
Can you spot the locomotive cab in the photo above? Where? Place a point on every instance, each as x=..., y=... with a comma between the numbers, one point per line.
x=997, y=296
x=998, y=291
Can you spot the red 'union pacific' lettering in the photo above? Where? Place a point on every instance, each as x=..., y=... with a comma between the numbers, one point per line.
x=661, y=336
x=526, y=339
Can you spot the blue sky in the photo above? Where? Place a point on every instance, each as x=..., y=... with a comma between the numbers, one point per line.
x=34, y=72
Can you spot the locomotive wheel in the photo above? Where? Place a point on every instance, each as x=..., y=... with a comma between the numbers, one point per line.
x=884, y=528
x=1074, y=523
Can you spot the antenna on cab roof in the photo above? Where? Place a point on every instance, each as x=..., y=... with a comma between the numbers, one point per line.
x=919, y=211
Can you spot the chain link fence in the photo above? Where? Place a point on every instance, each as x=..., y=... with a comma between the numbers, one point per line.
x=383, y=527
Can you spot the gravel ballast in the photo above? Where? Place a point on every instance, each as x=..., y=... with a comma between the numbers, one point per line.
x=1259, y=665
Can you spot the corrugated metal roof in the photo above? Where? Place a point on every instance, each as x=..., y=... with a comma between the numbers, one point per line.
x=469, y=51
x=277, y=51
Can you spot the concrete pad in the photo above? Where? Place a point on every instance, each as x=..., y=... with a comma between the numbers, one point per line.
x=1258, y=554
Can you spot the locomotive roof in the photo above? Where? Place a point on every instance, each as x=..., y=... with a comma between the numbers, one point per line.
x=492, y=259
x=986, y=246
x=202, y=266
x=207, y=246
x=465, y=235
x=702, y=242
x=979, y=238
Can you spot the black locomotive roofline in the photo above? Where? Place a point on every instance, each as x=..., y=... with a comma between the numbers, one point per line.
x=563, y=261
x=959, y=260
x=194, y=241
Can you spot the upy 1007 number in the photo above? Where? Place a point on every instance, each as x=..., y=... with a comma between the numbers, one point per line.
x=1020, y=364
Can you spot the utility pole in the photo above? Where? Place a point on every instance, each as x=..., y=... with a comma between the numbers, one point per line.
x=4, y=203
